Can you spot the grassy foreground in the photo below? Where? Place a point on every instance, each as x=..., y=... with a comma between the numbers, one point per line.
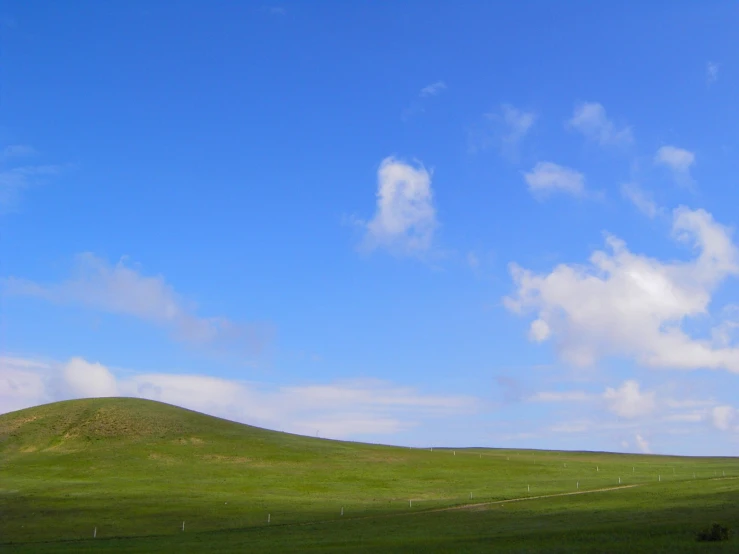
x=131, y=471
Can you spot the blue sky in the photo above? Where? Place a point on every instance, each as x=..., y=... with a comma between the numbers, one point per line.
x=413, y=223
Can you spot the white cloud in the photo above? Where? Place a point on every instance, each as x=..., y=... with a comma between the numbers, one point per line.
x=85, y=379
x=712, y=72
x=539, y=331
x=121, y=289
x=338, y=410
x=724, y=418
x=472, y=260
x=642, y=443
x=640, y=199
x=591, y=120
x=628, y=401
x=678, y=161
x=22, y=383
x=433, y=89
x=405, y=219
x=624, y=304
x=548, y=177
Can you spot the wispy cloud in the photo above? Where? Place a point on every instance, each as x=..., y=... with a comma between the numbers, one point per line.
x=275, y=10
x=504, y=129
x=627, y=414
x=629, y=401
x=433, y=89
x=591, y=120
x=643, y=202
x=547, y=177
x=18, y=151
x=625, y=304
x=678, y=161
x=642, y=443
x=405, y=219
x=121, y=289
x=418, y=105
x=712, y=72
x=344, y=409
x=562, y=396
x=15, y=178
x=518, y=124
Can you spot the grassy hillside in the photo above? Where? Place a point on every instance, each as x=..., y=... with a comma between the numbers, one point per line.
x=134, y=470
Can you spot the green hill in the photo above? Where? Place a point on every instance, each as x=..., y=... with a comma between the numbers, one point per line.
x=115, y=422
x=131, y=471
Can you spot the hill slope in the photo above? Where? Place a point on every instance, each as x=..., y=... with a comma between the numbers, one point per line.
x=77, y=424
x=129, y=467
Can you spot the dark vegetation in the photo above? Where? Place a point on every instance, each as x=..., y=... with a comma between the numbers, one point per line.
x=714, y=532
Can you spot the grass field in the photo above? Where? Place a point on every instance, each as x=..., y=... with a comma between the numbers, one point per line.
x=131, y=471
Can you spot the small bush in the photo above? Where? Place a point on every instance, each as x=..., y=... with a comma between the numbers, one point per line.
x=714, y=532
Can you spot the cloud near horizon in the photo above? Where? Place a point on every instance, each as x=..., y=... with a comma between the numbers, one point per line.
x=629, y=401
x=627, y=411
x=341, y=409
x=725, y=418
